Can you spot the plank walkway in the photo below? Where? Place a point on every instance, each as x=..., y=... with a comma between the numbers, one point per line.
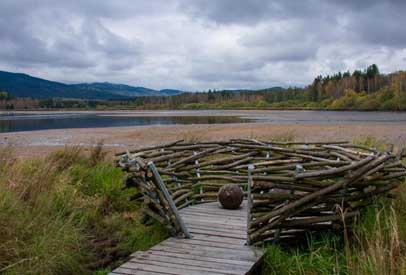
x=217, y=246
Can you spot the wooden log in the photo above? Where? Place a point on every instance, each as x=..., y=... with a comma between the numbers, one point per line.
x=193, y=157
x=165, y=157
x=183, y=197
x=178, y=220
x=249, y=198
x=271, y=162
x=234, y=164
x=150, y=148
x=330, y=172
x=370, y=163
x=179, y=192
x=219, y=161
x=346, y=150
x=266, y=186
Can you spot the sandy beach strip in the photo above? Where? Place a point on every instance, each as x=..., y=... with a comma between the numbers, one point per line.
x=35, y=143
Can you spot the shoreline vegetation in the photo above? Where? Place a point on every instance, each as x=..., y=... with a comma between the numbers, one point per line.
x=366, y=90
x=67, y=213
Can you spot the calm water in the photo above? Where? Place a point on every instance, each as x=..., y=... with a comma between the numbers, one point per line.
x=40, y=121
x=25, y=122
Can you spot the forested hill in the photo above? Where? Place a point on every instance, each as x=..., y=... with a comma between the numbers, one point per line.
x=26, y=86
x=357, y=90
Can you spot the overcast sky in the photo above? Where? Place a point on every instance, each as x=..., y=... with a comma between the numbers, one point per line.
x=200, y=44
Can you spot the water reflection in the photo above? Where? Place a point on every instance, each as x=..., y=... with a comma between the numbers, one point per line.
x=43, y=122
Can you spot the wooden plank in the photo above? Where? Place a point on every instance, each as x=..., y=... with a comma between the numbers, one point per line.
x=208, y=259
x=187, y=246
x=224, y=240
x=217, y=215
x=203, y=208
x=216, y=226
x=239, y=226
x=214, y=214
x=169, y=269
x=214, y=220
x=217, y=246
x=207, y=254
x=128, y=271
x=218, y=234
x=218, y=231
x=240, y=221
x=216, y=205
x=239, y=236
x=192, y=262
x=187, y=265
x=234, y=213
x=204, y=242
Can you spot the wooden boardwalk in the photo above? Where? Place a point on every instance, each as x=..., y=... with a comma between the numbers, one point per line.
x=217, y=246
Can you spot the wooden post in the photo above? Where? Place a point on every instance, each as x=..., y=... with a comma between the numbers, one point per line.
x=168, y=197
x=249, y=201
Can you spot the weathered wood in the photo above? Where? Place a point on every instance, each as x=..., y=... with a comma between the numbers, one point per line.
x=229, y=268
x=169, y=199
x=217, y=246
x=293, y=184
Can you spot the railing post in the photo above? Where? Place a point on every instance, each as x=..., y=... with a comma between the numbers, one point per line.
x=251, y=167
x=168, y=197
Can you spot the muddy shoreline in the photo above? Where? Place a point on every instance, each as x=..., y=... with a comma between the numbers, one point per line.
x=37, y=143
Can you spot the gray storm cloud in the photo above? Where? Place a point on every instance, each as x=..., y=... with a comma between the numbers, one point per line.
x=200, y=44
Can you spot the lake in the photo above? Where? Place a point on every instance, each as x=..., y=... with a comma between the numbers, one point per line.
x=31, y=121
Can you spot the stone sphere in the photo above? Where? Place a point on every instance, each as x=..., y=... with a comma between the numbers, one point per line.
x=230, y=196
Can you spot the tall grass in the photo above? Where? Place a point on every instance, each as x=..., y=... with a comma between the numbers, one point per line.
x=67, y=214
x=323, y=256
x=375, y=244
x=377, y=249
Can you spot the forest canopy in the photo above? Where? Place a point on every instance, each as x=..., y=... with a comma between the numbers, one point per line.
x=357, y=90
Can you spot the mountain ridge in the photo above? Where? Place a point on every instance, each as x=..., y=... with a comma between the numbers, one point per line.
x=27, y=86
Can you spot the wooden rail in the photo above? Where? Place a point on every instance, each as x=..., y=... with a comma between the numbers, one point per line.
x=168, y=198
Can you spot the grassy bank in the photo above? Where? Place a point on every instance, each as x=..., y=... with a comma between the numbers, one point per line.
x=67, y=214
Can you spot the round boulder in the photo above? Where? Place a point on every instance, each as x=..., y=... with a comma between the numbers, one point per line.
x=230, y=196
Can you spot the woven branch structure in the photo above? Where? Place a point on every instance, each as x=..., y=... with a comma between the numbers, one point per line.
x=291, y=187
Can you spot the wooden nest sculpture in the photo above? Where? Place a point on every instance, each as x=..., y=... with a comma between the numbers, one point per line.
x=291, y=187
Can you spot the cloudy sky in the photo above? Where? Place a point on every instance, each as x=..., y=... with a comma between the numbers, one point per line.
x=200, y=44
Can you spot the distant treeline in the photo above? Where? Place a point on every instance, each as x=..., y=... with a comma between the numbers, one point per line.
x=359, y=90
x=16, y=103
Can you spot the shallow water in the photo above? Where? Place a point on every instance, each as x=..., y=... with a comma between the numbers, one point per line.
x=62, y=121
x=30, y=121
